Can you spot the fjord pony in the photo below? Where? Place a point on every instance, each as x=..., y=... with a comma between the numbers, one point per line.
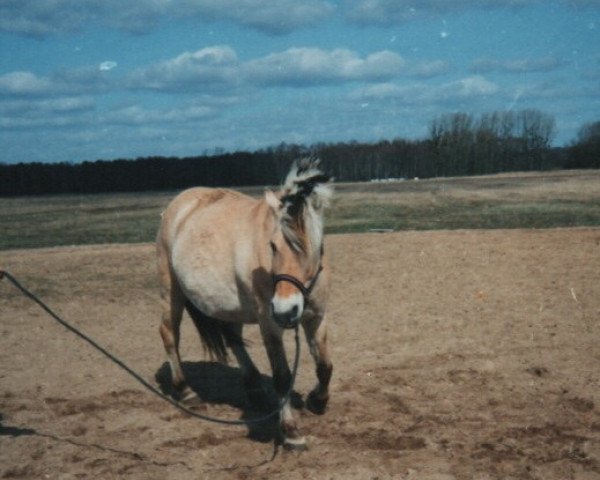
x=230, y=260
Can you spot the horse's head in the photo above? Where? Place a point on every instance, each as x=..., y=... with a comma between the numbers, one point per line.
x=296, y=242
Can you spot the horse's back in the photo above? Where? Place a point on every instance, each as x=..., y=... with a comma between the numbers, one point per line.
x=199, y=198
x=201, y=209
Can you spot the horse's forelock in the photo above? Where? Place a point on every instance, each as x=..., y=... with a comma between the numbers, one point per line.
x=304, y=194
x=293, y=222
x=305, y=179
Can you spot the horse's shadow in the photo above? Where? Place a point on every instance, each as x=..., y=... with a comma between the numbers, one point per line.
x=219, y=384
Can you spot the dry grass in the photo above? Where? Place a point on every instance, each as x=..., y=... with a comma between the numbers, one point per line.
x=540, y=200
x=532, y=200
x=30, y=222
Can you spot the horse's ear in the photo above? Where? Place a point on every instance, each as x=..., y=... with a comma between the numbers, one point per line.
x=273, y=201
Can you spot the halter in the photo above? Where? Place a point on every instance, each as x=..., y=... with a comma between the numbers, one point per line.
x=305, y=290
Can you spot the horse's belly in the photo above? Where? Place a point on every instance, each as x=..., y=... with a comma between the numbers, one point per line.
x=220, y=305
x=216, y=297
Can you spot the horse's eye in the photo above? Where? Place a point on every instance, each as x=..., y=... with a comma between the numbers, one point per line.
x=273, y=247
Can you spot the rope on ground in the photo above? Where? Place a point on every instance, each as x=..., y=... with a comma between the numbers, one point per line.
x=142, y=380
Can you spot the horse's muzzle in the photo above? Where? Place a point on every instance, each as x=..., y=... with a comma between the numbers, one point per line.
x=286, y=312
x=286, y=319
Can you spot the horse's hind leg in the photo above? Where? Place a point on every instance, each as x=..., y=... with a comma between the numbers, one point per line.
x=316, y=337
x=172, y=303
x=251, y=375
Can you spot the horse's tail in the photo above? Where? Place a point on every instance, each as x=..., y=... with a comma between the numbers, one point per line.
x=215, y=334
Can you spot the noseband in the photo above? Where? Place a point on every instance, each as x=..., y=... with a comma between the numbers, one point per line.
x=305, y=290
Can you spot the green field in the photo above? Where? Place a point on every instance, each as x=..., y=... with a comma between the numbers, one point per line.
x=532, y=200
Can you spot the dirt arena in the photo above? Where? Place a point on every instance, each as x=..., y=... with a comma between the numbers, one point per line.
x=457, y=355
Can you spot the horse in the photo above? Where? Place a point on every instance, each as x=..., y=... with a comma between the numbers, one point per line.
x=229, y=260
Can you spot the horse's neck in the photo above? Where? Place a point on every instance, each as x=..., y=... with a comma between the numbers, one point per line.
x=264, y=223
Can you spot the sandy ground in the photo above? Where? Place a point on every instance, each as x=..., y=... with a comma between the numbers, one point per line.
x=457, y=355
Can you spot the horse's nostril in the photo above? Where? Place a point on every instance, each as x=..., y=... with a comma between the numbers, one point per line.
x=288, y=318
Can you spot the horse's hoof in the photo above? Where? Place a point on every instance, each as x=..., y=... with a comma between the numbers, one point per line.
x=188, y=397
x=295, y=444
x=315, y=404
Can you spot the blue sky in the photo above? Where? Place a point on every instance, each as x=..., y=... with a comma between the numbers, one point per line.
x=90, y=79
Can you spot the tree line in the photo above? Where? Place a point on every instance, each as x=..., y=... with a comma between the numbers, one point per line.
x=457, y=144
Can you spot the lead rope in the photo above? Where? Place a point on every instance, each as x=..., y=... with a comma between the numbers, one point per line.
x=142, y=380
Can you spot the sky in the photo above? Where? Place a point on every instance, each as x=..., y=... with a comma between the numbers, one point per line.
x=105, y=79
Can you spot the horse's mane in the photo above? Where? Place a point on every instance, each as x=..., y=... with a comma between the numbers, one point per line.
x=304, y=195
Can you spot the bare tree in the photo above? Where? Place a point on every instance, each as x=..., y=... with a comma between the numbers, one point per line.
x=585, y=151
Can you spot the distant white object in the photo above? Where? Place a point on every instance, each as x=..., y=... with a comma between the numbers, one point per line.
x=106, y=66
x=387, y=180
x=416, y=179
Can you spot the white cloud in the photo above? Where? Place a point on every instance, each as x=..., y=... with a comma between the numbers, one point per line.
x=92, y=79
x=424, y=93
x=138, y=115
x=270, y=17
x=470, y=87
x=309, y=66
x=82, y=111
x=218, y=70
x=23, y=83
x=381, y=91
x=47, y=106
x=42, y=17
x=429, y=68
x=391, y=12
x=54, y=112
x=50, y=17
x=218, y=67
x=523, y=65
x=65, y=105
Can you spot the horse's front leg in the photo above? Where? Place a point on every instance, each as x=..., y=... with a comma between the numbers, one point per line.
x=315, y=329
x=282, y=377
